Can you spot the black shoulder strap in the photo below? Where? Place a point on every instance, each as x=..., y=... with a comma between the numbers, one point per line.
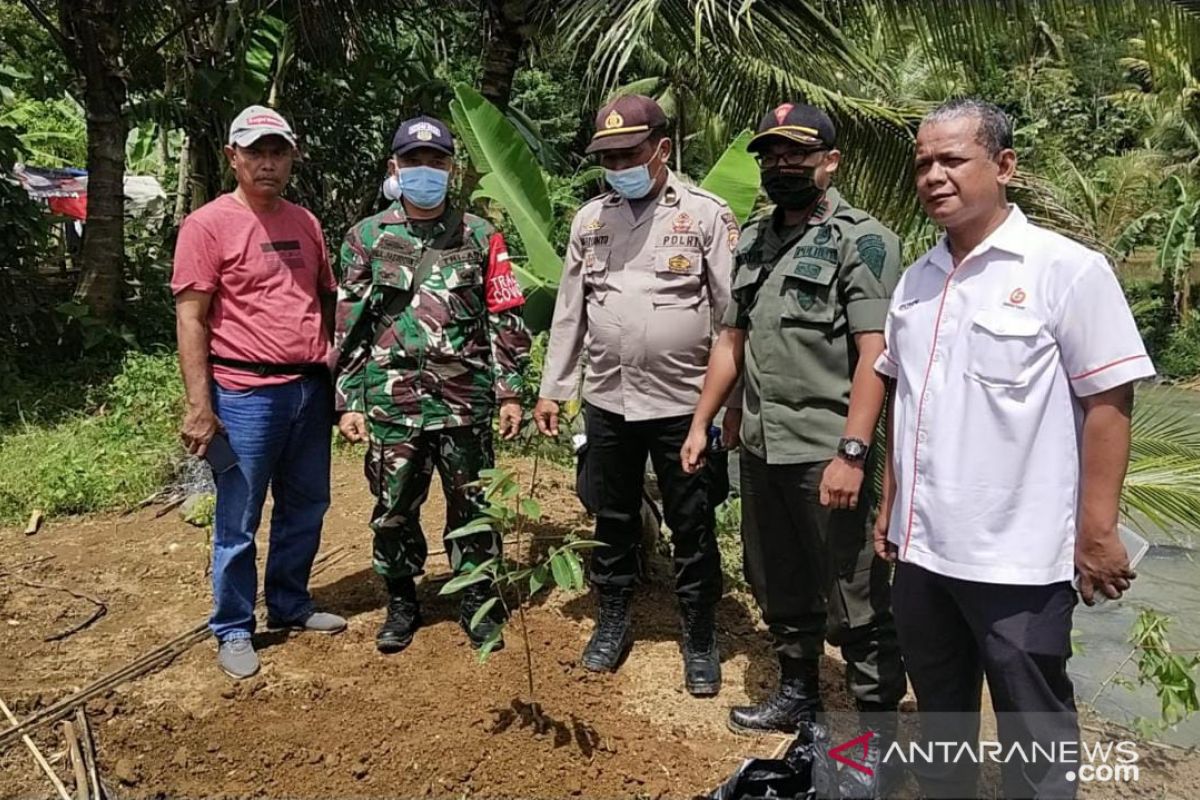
x=394, y=306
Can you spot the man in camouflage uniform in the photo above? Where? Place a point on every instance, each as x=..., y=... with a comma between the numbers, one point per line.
x=811, y=287
x=429, y=337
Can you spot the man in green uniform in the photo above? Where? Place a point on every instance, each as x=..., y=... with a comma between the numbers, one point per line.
x=429, y=337
x=811, y=287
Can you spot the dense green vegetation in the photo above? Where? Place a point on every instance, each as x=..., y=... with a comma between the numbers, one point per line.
x=1103, y=95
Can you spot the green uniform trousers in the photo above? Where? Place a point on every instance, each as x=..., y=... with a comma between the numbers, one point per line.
x=399, y=467
x=815, y=576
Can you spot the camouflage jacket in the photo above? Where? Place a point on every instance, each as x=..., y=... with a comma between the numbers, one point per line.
x=446, y=358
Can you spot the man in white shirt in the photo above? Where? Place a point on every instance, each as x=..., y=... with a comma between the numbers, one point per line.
x=1014, y=355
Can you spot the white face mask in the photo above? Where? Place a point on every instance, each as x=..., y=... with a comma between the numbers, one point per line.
x=634, y=183
x=391, y=187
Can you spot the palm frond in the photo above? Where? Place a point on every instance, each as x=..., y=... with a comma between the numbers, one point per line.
x=970, y=32
x=1038, y=199
x=1165, y=490
x=1161, y=429
x=616, y=30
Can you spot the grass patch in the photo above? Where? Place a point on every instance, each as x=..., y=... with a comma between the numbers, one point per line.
x=113, y=457
x=729, y=542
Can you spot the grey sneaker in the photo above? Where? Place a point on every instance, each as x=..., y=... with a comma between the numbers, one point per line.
x=237, y=658
x=317, y=622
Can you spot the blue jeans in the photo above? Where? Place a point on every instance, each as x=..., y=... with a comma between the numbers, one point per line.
x=281, y=435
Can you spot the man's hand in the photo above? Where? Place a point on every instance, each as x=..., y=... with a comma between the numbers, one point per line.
x=694, y=449
x=353, y=426
x=840, y=483
x=545, y=416
x=1102, y=563
x=879, y=532
x=510, y=418
x=731, y=428
x=199, y=426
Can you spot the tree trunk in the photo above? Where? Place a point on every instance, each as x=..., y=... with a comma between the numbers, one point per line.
x=679, y=130
x=183, y=191
x=507, y=36
x=94, y=26
x=208, y=46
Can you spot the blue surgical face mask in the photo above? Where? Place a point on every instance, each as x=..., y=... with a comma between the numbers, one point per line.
x=633, y=183
x=424, y=187
x=391, y=187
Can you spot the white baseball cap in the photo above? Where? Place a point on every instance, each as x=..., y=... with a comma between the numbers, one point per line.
x=256, y=122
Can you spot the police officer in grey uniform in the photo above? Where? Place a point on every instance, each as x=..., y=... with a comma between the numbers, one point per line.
x=811, y=288
x=644, y=286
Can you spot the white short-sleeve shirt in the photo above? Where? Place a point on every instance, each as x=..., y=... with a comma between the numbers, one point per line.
x=990, y=358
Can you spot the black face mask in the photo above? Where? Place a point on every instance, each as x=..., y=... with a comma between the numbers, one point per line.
x=793, y=190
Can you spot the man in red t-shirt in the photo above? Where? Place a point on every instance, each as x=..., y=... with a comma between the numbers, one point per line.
x=254, y=297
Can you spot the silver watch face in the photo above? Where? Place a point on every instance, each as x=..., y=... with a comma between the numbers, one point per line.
x=853, y=449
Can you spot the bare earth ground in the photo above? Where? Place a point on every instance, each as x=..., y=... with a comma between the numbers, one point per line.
x=330, y=717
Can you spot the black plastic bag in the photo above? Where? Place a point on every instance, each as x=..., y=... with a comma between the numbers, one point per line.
x=806, y=772
x=765, y=778
x=787, y=778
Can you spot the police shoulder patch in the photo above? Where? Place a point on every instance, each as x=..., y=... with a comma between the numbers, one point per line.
x=873, y=252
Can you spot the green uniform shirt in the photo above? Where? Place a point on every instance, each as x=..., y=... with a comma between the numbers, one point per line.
x=801, y=294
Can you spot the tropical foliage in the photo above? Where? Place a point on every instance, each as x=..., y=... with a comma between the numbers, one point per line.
x=1104, y=94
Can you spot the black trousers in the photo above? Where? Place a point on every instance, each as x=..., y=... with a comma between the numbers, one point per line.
x=955, y=632
x=815, y=576
x=617, y=451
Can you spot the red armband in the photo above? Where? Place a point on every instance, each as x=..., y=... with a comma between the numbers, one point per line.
x=503, y=291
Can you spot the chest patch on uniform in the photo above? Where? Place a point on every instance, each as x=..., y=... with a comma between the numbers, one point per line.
x=594, y=225
x=682, y=222
x=396, y=256
x=389, y=245
x=823, y=236
x=872, y=252
x=679, y=263
x=829, y=254
x=460, y=254
x=680, y=240
x=594, y=239
x=807, y=269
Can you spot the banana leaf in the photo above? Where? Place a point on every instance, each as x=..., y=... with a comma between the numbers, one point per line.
x=512, y=177
x=735, y=178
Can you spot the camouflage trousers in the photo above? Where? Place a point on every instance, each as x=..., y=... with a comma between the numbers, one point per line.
x=399, y=467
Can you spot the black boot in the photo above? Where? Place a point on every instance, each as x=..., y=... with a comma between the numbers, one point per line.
x=612, y=638
x=701, y=661
x=886, y=778
x=474, y=596
x=797, y=700
x=403, y=616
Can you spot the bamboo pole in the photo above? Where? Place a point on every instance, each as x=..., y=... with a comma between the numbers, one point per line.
x=77, y=765
x=38, y=757
x=89, y=753
x=160, y=655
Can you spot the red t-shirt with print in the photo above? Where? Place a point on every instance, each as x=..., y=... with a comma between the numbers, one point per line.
x=266, y=273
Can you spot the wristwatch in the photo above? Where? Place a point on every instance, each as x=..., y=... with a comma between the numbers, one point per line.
x=852, y=449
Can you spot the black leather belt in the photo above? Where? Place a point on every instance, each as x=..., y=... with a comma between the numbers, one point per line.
x=268, y=368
